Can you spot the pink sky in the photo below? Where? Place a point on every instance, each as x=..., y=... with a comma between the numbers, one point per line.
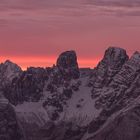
x=34, y=33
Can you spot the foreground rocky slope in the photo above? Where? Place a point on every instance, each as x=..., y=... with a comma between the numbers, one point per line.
x=123, y=125
x=9, y=126
x=64, y=102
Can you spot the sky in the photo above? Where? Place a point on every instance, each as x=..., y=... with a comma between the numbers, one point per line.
x=35, y=32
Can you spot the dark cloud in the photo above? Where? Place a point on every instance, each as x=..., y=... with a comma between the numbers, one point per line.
x=34, y=4
x=116, y=7
x=114, y=3
x=75, y=7
x=134, y=13
x=44, y=4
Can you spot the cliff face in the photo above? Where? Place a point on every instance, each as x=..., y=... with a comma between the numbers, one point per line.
x=124, y=82
x=8, y=71
x=120, y=93
x=9, y=127
x=123, y=125
x=68, y=65
x=109, y=66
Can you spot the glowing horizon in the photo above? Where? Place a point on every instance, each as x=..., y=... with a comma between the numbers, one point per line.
x=25, y=62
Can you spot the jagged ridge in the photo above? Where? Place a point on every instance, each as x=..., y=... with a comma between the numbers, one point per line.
x=64, y=92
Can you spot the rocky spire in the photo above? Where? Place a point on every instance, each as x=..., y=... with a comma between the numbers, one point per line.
x=68, y=65
x=109, y=66
x=128, y=72
x=8, y=71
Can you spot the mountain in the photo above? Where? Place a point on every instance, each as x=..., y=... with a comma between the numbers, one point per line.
x=65, y=102
x=122, y=92
x=109, y=66
x=68, y=65
x=8, y=71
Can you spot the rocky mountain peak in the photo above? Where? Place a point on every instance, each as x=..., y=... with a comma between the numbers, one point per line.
x=9, y=64
x=113, y=60
x=115, y=55
x=67, y=59
x=67, y=64
x=135, y=60
x=9, y=70
x=136, y=55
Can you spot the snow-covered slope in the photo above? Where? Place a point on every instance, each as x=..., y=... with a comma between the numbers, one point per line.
x=123, y=125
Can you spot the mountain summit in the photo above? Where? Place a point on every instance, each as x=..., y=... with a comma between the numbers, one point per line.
x=67, y=63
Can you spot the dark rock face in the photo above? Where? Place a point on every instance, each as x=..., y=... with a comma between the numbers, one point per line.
x=67, y=64
x=124, y=83
x=61, y=75
x=124, y=126
x=9, y=128
x=27, y=87
x=128, y=72
x=20, y=86
x=121, y=92
x=109, y=66
x=8, y=71
x=107, y=69
x=61, y=131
